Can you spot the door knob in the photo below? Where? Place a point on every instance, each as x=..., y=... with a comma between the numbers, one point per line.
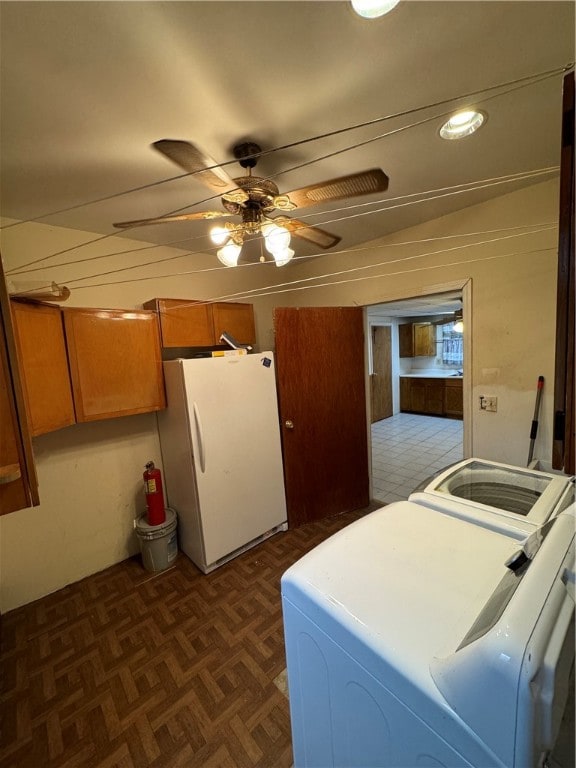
x=289, y=424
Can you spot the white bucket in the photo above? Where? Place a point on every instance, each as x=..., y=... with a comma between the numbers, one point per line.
x=158, y=543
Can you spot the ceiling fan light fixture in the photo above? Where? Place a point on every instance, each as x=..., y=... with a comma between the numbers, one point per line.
x=281, y=258
x=219, y=235
x=276, y=239
x=229, y=254
x=458, y=326
x=372, y=9
x=462, y=124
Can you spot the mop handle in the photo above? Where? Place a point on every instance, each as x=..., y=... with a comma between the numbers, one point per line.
x=534, y=427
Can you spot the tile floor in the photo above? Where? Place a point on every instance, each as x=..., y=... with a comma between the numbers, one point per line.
x=407, y=449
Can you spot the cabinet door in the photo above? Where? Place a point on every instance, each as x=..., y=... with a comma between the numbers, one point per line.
x=43, y=366
x=115, y=362
x=424, y=340
x=183, y=322
x=435, y=397
x=18, y=482
x=236, y=319
x=13, y=493
x=454, y=397
x=406, y=340
x=405, y=397
x=418, y=396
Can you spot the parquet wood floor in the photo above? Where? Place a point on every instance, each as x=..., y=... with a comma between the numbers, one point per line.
x=128, y=669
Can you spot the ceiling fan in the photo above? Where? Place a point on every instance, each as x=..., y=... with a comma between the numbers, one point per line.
x=253, y=199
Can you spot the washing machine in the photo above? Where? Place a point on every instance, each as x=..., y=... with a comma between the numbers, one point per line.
x=510, y=499
x=421, y=639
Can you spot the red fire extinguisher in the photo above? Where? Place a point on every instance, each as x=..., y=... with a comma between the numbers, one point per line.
x=155, y=513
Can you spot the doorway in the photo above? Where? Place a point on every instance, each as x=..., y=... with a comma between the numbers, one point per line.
x=416, y=441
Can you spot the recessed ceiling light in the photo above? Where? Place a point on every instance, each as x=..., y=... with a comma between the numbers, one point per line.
x=462, y=124
x=371, y=9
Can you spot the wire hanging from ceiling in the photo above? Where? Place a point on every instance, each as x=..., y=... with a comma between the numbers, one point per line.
x=470, y=186
x=337, y=253
x=526, y=81
x=516, y=85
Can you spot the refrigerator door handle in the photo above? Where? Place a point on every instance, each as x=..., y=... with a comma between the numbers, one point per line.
x=199, y=437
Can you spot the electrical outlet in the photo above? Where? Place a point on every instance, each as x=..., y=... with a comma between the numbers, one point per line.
x=488, y=403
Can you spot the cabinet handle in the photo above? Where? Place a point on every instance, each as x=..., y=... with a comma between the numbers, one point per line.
x=289, y=424
x=200, y=438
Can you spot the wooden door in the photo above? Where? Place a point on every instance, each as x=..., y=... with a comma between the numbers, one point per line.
x=321, y=388
x=381, y=378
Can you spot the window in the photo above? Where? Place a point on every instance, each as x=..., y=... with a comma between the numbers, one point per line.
x=452, y=346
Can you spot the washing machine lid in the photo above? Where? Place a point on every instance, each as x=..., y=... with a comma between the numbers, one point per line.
x=514, y=498
x=404, y=581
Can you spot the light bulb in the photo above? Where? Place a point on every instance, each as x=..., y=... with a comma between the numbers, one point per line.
x=219, y=235
x=462, y=124
x=229, y=254
x=283, y=257
x=276, y=239
x=371, y=9
x=458, y=326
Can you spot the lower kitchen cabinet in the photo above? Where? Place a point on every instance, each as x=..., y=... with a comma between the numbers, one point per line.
x=115, y=362
x=431, y=396
x=43, y=365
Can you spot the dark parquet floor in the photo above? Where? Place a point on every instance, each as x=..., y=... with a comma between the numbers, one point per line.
x=128, y=669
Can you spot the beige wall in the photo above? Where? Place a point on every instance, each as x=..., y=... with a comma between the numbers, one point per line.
x=513, y=298
x=90, y=474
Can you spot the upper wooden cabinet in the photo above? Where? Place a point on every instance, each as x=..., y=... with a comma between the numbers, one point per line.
x=115, y=362
x=18, y=482
x=236, y=319
x=188, y=323
x=417, y=340
x=43, y=364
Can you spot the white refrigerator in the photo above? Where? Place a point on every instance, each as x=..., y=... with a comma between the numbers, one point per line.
x=221, y=454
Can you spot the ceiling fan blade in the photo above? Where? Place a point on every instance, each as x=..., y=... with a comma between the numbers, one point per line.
x=176, y=217
x=193, y=160
x=315, y=235
x=354, y=185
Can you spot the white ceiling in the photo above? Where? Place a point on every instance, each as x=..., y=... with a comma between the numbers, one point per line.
x=87, y=87
x=421, y=306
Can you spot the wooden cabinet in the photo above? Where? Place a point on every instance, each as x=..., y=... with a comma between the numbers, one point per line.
x=43, y=364
x=406, y=340
x=454, y=401
x=427, y=396
x=115, y=362
x=188, y=323
x=405, y=394
x=236, y=319
x=431, y=396
x=417, y=340
x=18, y=482
x=13, y=494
